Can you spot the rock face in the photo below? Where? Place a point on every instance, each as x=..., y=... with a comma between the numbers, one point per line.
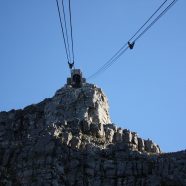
x=85, y=103
x=69, y=140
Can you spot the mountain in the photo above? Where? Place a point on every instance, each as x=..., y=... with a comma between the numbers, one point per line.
x=69, y=140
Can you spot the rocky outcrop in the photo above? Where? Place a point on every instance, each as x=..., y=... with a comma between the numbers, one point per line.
x=70, y=140
x=85, y=103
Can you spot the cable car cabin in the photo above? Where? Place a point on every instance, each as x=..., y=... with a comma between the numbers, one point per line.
x=76, y=80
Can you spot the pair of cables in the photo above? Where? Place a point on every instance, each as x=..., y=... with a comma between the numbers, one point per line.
x=160, y=11
x=64, y=30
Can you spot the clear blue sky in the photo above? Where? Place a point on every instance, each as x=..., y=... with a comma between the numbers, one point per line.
x=146, y=87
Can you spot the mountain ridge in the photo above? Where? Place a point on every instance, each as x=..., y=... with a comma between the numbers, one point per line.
x=69, y=139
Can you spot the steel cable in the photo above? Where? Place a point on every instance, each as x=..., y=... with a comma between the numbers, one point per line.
x=68, y=47
x=71, y=30
x=120, y=52
x=62, y=30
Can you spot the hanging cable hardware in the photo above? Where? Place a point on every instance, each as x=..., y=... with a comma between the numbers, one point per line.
x=131, y=45
x=71, y=65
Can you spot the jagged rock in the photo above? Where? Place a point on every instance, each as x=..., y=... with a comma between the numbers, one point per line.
x=134, y=138
x=127, y=136
x=66, y=137
x=109, y=134
x=97, y=129
x=119, y=135
x=151, y=147
x=75, y=142
x=85, y=125
x=69, y=140
x=141, y=144
x=86, y=103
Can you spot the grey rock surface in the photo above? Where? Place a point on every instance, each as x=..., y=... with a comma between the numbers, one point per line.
x=69, y=140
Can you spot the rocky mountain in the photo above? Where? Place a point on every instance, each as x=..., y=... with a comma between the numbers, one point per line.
x=69, y=140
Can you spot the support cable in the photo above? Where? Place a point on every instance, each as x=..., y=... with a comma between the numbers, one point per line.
x=106, y=66
x=62, y=30
x=162, y=13
x=126, y=44
x=123, y=49
x=148, y=20
x=68, y=47
x=71, y=30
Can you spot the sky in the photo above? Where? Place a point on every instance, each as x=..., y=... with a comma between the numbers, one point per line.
x=146, y=87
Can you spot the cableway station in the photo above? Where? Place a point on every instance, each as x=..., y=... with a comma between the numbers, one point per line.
x=76, y=80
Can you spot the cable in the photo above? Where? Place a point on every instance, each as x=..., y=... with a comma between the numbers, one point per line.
x=72, y=41
x=106, y=66
x=170, y=5
x=59, y=14
x=162, y=13
x=112, y=58
x=108, y=62
x=120, y=52
x=148, y=20
x=66, y=30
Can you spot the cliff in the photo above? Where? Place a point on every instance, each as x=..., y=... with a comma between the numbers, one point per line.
x=69, y=140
